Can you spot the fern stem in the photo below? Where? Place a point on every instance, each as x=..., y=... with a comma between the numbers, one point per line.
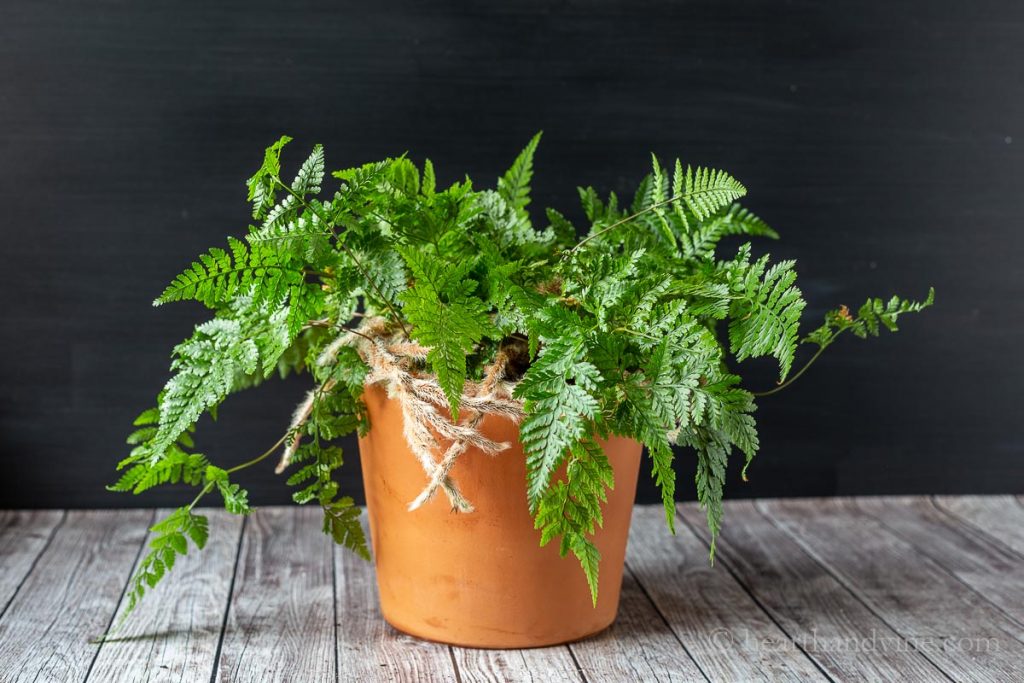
x=347, y=250
x=359, y=334
x=821, y=349
x=202, y=492
x=209, y=485
x=266, y=454
x=627, y=219
x=637, y=333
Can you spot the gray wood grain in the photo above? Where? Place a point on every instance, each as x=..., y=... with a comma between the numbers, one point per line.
x=995, y=573
x=728, y=634
x=902, y=585
x=70, y=596
x=173, y=634
x=368, y=648
x=949, y=622
x=281, y=617
x=23, y=536
x=639, y=646
x=500, y=666
x=810, y=605
x=1000, y=518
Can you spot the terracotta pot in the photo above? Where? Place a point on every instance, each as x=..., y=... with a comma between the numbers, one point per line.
x=481, y=579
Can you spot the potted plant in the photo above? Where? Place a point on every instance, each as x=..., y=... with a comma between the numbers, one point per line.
x=501, y=376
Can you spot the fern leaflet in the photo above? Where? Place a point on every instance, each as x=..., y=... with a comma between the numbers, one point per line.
x=514, y=186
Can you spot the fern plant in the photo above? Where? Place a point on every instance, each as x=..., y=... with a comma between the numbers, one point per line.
x=631, y=324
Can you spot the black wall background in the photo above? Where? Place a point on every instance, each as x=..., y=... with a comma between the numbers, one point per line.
x=883, y=140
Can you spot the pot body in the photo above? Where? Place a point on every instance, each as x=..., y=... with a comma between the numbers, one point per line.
x=481, y=579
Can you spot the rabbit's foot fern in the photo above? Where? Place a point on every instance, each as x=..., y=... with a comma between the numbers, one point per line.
x=633, y=329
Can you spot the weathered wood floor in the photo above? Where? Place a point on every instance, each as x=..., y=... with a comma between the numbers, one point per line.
x=870, y=589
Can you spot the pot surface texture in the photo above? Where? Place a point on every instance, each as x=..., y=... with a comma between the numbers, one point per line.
x=481, y=579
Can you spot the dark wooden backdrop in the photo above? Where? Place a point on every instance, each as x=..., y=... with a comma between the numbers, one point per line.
x=883, y=140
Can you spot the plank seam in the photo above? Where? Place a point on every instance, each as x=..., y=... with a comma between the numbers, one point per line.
x=334, y=605
x=35, y=561
x=576, y=662
x=849, y=588
x=455, y=664
x=969, y=527
x=924, y=551
x=725, y=563
x=120, y=599
x=227, y=605
x=664, y=619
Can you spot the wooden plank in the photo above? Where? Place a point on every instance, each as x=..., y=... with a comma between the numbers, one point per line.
x=951, y=624
x=70, y=596
x=368, y=648
x=173, y=634
x=810, y=605
x=500, y=666
x=639, y=646
x=994, y=572
x=280, y=621
x=998, y=517
x=23, y=536
x=728, y=635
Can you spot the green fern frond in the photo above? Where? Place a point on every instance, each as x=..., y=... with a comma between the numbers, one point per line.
x=561, y=228
x=283, y=218
x=236, y=499
x=429, y=185
x=571, y=509
x=647, y=413
x=361, y=179
x=560, y=405
x=766, y=316
x=737, y=220
x=210, y=363
x=705, y=190
x=169, y=541
x=665, y=478
x=514, y=185
x=311, y=173
x=712, y=459
x=276, y=221
x=656, y=199
x=870, y=318
x=446, y=316
x=875, y=312
x=174, y=466
x=341, y=515
x=720, y=419
x=341, y=523
x=702, y=240
x=220, y=275
x=597, y=211
x=262, y=184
